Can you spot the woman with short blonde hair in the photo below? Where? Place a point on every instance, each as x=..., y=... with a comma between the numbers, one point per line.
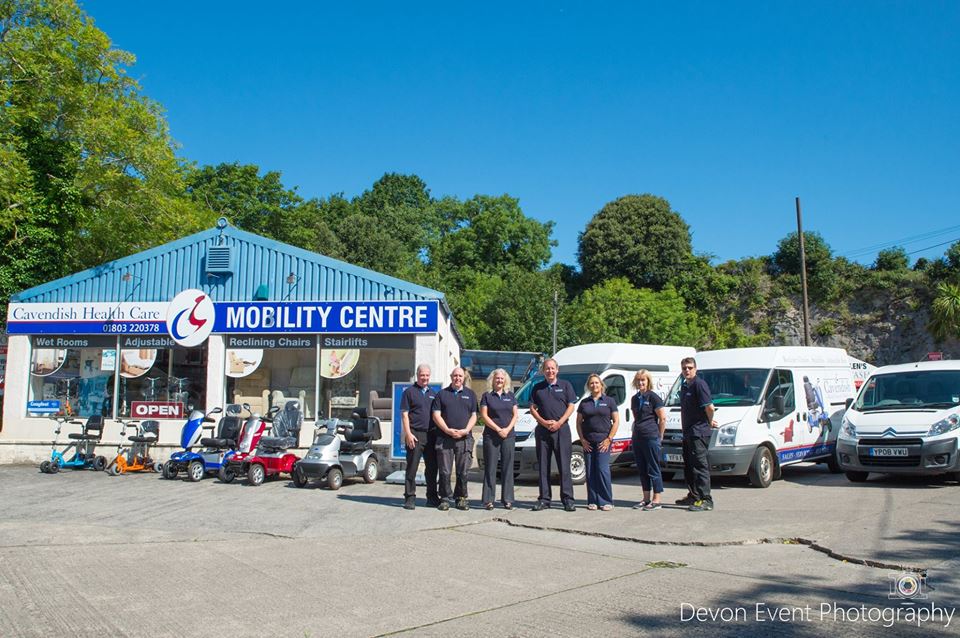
x=597, y=420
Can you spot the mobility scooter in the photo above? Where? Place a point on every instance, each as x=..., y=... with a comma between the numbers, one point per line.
x=253, y=428
x=82, y=445
x=188, y=459
x=331, y=457
x=271, y=457
x=137, y=457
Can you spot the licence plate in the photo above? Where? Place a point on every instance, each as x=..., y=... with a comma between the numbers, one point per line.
x=673, y=458
x=888, y=451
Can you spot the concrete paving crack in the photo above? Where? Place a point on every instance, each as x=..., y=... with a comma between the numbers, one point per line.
x=812, y=544
x=511, y=604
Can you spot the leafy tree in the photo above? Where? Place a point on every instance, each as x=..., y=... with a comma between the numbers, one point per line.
x=945, y=319
x=638, y=237
x=822, y=278
x=892, y=259
x=87, y=168
x=489, y=234
x=617, y=311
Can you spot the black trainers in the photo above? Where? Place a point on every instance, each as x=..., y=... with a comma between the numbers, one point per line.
x=462, y=504
x=410, y=503
x=569, y=507
x=701, y=506
x=433, y=502
x=443, y=506
x=689, y=499
x=540, y=506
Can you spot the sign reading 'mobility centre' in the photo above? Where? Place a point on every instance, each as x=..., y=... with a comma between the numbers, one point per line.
x=229, y=317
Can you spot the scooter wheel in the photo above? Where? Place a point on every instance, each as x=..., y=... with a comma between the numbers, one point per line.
x=113, y=470
x=158, y=467
x=99, y=463
x=54, y=467
x=45, y=467
x=256, y=474
x=370, y=470
x=170, y=471
x=226, y=474
x=195, y=470
x=299, y=477
x=334, y=478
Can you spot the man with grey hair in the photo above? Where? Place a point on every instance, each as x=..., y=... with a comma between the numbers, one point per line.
x=420, y=438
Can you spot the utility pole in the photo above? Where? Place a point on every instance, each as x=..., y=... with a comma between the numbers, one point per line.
x=803, y=277
x=555, y=304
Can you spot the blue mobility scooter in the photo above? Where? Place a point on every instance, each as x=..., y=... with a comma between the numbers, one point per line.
x=189, y=459
x=81, y=452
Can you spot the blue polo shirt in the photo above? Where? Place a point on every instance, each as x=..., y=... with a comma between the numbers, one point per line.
x=455, y=406
x=694, y=397
x=500, y=407
x=417, y=403
x=552, y=400
x=597, y=417
x=645, y=406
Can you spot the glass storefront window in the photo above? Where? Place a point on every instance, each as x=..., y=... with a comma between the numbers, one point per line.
x=160, y=374
x=72, y=376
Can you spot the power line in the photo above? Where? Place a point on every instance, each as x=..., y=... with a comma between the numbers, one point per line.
x=901, y=242
x=913, y=252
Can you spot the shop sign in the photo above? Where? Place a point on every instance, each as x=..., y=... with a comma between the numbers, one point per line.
x=136, y=342
x=79, y=341
x=51, y=406
x=190, y=319
x=270, y=342
x=156, y=410
x=400, y=342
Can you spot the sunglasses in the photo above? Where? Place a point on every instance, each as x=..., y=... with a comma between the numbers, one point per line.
x=688, y=368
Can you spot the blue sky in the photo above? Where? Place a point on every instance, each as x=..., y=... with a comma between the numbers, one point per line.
x=729, y=110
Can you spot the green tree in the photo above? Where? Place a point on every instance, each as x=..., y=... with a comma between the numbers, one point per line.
x=87, y=168
x=638, y=237
x=892, y=259
x=945, y=312
x=616, y=311
x=489, y=234
x=822, y=279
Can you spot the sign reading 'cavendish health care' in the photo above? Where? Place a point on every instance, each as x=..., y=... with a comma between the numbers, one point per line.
x=189, y=317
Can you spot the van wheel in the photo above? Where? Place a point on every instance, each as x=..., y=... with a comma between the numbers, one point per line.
x=857, y=477
x=833, y=463
x=761, y=469
x=578, y=466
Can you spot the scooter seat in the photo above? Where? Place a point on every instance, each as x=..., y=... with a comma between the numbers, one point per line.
x=143, y=439
x=218, y=443
x=347, y=447
x=278, y=442
x=76, y=436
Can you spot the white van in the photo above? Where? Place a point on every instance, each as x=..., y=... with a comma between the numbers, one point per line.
x=616, y=363
x=906, y=420
x=775, y=406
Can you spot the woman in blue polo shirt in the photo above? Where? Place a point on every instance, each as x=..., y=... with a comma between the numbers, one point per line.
x=498, y=410
x=649, y=422
x=597, y=421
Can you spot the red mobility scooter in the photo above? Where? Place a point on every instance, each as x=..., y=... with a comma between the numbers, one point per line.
x=272, y=457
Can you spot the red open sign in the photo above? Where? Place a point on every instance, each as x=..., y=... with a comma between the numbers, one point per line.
x=156, y=410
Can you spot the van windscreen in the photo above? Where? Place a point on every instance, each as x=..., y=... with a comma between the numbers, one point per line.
x=931, y=389
x=729, y=386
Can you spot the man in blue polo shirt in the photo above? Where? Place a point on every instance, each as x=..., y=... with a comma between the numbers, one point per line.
x=420, y=438
x=455, y=413
x=696, y=420
x=551, y=404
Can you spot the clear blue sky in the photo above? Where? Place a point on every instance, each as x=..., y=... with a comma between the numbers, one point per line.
x=729, y=110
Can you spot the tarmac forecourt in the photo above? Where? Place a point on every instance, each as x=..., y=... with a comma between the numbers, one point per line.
x=85, y=554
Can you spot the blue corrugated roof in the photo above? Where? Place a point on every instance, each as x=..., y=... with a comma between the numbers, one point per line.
x=160, y=273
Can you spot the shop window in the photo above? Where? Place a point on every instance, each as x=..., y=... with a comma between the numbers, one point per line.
x=162, y=375
x=266, y=377
x=71, y=381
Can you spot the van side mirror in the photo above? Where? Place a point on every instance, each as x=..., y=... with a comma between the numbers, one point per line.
x=849, y=402
x=779, y=404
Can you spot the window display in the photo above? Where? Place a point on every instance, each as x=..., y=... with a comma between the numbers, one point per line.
x=154, y=370
x=74, y=372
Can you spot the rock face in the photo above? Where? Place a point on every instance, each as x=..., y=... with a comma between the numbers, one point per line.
x=881, y=329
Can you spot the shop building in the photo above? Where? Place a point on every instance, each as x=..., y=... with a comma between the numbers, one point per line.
x=222, y=316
